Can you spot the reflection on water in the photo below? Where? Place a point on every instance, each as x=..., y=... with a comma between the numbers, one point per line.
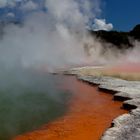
x=29, y=101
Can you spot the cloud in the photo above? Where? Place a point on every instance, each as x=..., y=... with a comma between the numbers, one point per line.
x=29, y=6
x=10, y=15
x=8, y=3
x=3, y=3
x=66, y=10
x=60, y=32
x=100, y=24
x=26, y=5
x=79, y=11
x=73, y=11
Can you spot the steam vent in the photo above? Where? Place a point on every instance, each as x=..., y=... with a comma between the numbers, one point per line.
x=69, y=70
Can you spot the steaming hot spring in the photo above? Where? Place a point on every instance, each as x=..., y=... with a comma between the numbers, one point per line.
x=45, y=106
x=41, y=37
x=84, y=115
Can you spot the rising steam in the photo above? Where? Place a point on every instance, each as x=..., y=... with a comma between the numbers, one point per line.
x=48, y=38
x=54, y=38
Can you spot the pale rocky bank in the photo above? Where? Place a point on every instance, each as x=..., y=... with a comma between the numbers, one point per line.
x=126, y=126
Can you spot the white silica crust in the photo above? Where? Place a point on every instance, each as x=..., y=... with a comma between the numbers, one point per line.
x=126, y=126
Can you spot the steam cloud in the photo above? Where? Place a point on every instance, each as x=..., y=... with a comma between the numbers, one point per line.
x=49, y=39
x=53, y=38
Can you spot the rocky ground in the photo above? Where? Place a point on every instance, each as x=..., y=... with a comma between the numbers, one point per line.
x=127, y=126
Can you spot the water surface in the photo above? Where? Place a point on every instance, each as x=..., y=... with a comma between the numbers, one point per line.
x=28, y=101
x=89, y=114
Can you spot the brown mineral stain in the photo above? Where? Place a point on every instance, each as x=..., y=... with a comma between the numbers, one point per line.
x=89, y=114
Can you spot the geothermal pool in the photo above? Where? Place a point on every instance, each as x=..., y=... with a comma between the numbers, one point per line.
x=28, y=102
x=83, y=113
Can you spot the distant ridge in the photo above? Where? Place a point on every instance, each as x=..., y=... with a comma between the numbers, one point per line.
x=119, y=39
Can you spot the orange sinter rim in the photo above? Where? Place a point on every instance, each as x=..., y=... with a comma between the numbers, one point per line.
x=89, y=114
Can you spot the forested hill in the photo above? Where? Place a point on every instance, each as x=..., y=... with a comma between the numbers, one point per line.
x=119, y=39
